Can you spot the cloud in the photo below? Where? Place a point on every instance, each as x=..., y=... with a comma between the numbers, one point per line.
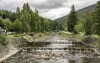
x=55, y=13
x=52, y=9
x=50, y=4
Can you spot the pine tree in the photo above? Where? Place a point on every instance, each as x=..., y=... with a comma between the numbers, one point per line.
x=72, y=20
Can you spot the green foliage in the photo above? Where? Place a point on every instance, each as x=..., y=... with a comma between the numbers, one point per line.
x=79, y=27
x=46, y=25
x=31, y=21
x=8, y=14
x=3, y=40
x=1, y=23
x=79, y=13
x=7, y=24
x=58, y=26
x=17, y=26
x=25, y=20
x=25, y=27
x=72, y=20
x=87, y=22
x=18, y=13
x=97, y=18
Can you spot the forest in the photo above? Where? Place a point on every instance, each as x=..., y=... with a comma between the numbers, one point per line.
x=27, y=20
x=88, y=23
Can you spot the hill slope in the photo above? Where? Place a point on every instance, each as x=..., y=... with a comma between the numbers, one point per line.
x=79, y=12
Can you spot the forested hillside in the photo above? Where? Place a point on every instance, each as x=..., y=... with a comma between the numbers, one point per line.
x=79, y=13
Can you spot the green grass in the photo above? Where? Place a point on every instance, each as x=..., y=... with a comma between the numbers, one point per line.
x=80, y=37
x=69, y=36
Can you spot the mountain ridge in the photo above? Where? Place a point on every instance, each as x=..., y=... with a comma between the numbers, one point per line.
x=79, y=12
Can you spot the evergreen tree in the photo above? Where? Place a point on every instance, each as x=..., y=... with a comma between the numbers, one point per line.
x=72, y=20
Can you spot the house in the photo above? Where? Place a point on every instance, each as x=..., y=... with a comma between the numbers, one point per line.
x=2, y=31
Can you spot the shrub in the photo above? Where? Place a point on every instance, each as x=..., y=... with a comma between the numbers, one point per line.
x=3, y=40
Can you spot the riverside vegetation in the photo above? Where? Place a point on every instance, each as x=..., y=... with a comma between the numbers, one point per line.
x=85, y=28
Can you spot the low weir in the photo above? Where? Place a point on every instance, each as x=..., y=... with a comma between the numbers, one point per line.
x=70, y=49
x=44, y=43
x=43, y=46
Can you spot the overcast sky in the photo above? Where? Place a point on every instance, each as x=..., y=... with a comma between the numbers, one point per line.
x=52, y=9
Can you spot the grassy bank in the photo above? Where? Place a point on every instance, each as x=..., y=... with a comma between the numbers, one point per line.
x=90, y=39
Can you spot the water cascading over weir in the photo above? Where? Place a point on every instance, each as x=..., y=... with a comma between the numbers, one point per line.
x=59, y=50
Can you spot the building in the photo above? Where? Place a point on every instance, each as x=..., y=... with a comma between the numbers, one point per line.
x=2, y=31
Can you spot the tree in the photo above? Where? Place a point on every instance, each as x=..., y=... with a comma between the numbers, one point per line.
x=25, y=20
x=17, y=26
x=3, y=40
x=72, y=20
x=26, y=11
x=8, y=14
x=80, y=27
x=18, y=13
x=25, y=26
x=39, y=26
x=88, y=22
x=1, y=23
x=7, y=24
x=46, y=25
x=97, y=18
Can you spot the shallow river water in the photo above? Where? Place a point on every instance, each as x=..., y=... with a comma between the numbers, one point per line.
x=49, y=56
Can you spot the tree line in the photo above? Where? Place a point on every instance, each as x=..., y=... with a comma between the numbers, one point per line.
x=26, y=20
x=89, y=22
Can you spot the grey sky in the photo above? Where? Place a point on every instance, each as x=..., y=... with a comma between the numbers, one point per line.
x=52, y=9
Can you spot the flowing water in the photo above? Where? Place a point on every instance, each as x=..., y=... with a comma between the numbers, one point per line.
x=48, y=56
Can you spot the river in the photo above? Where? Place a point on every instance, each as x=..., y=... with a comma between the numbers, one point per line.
x=49, y=56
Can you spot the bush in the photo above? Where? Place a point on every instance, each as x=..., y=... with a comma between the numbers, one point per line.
x=3, y=40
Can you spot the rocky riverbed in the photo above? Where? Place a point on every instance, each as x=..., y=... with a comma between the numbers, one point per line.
x=52, y=56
